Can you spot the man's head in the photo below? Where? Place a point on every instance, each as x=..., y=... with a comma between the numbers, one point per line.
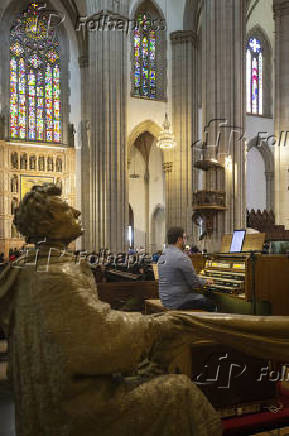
x=44, y=216
x=176, y=237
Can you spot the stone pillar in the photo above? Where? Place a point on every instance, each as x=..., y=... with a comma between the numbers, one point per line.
x=223, y=33
x=168, y=171
x=147, y=207
x=106, y=218
x=184, y=102
x=270, y=191
x=85, y=152
x=281, y=13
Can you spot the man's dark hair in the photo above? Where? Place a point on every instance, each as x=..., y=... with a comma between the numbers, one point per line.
x=174, y=233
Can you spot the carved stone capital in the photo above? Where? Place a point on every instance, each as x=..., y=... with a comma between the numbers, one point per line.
x=181, y=36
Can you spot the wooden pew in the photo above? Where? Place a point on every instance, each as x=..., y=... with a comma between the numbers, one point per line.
x=119, y=294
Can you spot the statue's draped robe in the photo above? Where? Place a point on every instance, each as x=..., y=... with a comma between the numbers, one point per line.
x=66, y=348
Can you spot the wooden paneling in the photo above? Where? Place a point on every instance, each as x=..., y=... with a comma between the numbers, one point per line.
x=226, y=243
x=118, y=294
x=254, y=241
x=272, y=282
x=198, y=261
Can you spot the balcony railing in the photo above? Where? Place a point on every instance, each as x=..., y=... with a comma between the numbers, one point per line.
x=209, y=200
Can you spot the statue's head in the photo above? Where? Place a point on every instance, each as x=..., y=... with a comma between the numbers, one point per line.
x=44, y=216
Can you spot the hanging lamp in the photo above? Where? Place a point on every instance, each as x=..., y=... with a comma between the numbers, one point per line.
x=166, y=139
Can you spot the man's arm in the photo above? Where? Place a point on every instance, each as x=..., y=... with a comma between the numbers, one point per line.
x=191, y=277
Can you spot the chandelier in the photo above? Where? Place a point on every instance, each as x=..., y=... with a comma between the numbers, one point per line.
x=166, y=140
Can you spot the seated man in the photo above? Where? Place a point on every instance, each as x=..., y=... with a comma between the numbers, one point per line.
x=177, y=278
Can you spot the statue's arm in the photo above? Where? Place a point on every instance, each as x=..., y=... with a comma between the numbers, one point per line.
x=97, y=340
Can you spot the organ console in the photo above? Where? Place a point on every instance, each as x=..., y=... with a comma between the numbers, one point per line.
x=228, y=275
x=248, y=282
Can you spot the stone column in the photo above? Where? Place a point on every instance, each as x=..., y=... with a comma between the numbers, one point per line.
x=168, y=171
x=147, y=207
x=184, y=102
x=223, y=33
x=85, y=147
x=281, y=13
x=107, y=216
x=270, y=191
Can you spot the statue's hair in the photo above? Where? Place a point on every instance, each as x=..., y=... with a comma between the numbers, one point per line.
x=33, y=217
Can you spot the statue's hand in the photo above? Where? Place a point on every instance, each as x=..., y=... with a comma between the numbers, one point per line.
x=177, y=331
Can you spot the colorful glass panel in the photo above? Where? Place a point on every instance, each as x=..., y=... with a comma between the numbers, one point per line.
x=254, y=77
x=35, y=94
x=40, y=106
x=31, y=105
x=22, y=100
x=56, y=104
x=260, y=83
x=144, y=58
x=49, y=103
x=14, y=98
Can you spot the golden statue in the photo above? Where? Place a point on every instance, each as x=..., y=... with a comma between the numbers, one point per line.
x=74, y=362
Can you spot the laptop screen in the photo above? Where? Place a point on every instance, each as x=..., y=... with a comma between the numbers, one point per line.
x=237, y=241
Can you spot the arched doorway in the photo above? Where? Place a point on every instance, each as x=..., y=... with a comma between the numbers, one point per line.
x=147, y=192
x=260, y=176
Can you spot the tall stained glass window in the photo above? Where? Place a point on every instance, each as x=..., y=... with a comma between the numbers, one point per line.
x=35, y=95
x=144, y=58
x=254, y=77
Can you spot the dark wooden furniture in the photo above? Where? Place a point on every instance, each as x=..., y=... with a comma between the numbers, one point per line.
x=234, y=287
x=198, y=261
x=118, y=294
x=265, y=223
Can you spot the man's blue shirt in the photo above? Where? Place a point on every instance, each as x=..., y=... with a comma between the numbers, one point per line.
x=177, y=278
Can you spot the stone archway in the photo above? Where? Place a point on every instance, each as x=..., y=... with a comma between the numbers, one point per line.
x=157, y=236
x=192, y=12
x=145, y=126
x=268, y=158
x=146, y=180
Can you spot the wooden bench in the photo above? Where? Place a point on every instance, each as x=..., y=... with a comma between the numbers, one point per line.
x=117, y=294
x=156, y=306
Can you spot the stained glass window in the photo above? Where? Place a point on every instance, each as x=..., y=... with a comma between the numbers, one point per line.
x=35, y=88
x=144, y=58
x=254, y=76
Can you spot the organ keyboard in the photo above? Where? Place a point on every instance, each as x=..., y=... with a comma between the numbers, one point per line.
x=227, y=274
x=260, y=281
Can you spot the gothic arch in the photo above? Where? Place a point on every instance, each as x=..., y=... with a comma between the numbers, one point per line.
x=157, y=222
x=192, y=13
x=268, y=158
x=260, y=34
x=68, y=42
x=146, y=126
x=154, y=9
x=251, y=6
